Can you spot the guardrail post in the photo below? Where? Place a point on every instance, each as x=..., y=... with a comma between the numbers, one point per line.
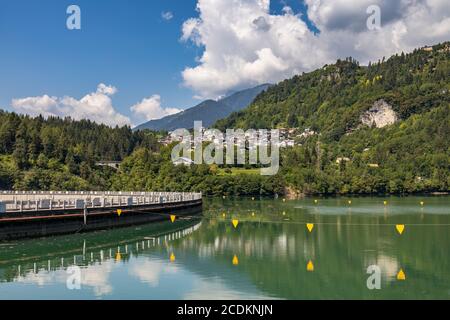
x=85, y=214
x=129, y=201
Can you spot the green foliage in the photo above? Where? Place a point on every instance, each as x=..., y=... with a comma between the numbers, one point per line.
x=330, y=100
x=49, y=154
x=409, y=156
x=144, y=170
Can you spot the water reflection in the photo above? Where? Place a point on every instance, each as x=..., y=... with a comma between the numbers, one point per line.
x=21, y=265
x=288, y=250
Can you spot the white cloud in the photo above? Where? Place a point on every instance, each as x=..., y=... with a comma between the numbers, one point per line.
x=244, y=44
x=405, y=25
x=106, y=90
x=96, y=106
x=150, y=108
x=167, y=15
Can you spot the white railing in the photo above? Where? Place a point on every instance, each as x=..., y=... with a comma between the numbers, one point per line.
x=22, y=201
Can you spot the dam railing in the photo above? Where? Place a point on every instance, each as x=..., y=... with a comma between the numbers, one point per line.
x=23, y=201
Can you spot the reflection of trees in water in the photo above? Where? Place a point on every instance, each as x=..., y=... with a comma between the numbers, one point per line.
x=273, y=250
x=275, y=254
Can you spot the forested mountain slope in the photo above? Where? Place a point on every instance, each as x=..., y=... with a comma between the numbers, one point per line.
x=408, y=153
x=383, y=128
x=330, y=100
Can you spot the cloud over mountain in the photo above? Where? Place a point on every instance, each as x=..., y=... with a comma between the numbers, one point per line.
x=245, y=44
x=151, y=109
x=96, y=106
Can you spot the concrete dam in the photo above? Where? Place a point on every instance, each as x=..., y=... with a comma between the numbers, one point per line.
x=38, y=214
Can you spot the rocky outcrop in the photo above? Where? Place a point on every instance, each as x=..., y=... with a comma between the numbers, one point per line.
x=381, y=115
x=292, y=193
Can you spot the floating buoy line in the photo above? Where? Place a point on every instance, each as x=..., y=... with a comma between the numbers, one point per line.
x=149, y=242
x=400, y=227
x=233, y=221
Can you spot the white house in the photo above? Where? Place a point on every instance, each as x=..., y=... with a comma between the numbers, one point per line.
x=183, y=161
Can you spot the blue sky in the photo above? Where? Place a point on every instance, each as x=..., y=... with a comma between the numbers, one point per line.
x=122, y=43
x=128, y=45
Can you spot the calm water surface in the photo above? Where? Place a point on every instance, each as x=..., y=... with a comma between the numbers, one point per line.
x=271, y=254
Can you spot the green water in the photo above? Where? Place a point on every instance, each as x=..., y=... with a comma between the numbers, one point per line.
x=267, y=256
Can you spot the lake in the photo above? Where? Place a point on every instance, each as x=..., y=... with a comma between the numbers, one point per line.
x=248, y=249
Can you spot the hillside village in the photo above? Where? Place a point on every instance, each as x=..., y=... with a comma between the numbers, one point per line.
x=289, y=137
x=346, y=128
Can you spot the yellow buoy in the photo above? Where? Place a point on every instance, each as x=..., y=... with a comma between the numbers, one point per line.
x=118, y=256
x=253, y=198
x=119, y=212
x=385, y=203
x=422, y=203
x=172, y=218
x=172, y=257
x=235, y=260
x=235, y=223
x=310, y=266
x=316, y=201
x=401, y=276
x=253, y=214
x=284, y=200
x=349, y=201
x=310, y=227
x=400, y=228
x=224, y=215
x=284, y=213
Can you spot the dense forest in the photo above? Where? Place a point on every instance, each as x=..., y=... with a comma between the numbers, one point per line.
x=62, y=154
x=53, y=153
x=411, y=155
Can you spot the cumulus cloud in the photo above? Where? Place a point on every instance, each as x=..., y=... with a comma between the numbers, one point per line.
x=405, y=25
x=151, y=109
x=96, y=106
x=245, y=44
x=352, y=15
x=167, y=15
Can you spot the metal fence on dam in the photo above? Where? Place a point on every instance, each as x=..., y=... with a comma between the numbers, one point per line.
x=23, y=201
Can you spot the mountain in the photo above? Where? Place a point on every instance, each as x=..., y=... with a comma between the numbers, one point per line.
x=377, y=129
x=332, y=100
x=208, y=111
x=381, y=128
